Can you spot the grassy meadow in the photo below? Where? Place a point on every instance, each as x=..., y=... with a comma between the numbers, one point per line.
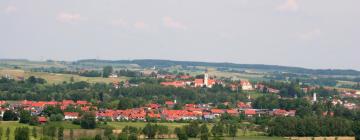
x=57, y=78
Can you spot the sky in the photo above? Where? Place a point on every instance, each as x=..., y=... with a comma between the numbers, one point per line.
x=305, y=33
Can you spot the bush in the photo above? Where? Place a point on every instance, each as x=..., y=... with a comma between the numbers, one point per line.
x=180, y=133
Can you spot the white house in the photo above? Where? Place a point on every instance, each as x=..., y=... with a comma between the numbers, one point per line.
x=71, y=115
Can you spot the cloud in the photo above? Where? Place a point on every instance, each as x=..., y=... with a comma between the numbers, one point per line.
x=140, y=25
x=289, y=6
x=119, y=23
x=10, y=9
x=171, y=23
x=310, y=35
x=69, y=17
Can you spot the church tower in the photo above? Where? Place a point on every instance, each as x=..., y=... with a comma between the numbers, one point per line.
x=206, y=79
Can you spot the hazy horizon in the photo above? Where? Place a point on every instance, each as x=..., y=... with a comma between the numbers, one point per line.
x=318, y=34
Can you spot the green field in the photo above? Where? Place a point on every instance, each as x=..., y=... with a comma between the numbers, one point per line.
x=57, y=78
x=121, y=125
x=118, y=126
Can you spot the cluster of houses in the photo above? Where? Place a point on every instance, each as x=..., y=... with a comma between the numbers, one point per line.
x=206, y=81
x=150, y=111
x=186, y=80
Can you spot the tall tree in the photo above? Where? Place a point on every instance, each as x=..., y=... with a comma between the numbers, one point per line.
x=9, y=115
x=88, y=121
x=107, y=71
x=180, y=133
x=204, y=132
x=192, y=130
x=22, y=133
x=233, y=130
x=61, y=133
x=150, y=130
x=25, y=116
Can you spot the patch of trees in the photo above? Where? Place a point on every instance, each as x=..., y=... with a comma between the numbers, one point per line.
x=90, y=73
x=195, y=130
x=22, y=133
x=310, y=126
x=129, y=73
x=88, y=120
x=107, y=71
x=10, y=115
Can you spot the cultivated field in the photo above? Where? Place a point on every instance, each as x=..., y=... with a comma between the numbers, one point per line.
x=57, y=78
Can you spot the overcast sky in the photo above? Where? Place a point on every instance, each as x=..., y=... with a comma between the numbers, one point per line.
x=306, y=33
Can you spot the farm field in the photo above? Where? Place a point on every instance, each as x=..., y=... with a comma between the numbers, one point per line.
x=117, y=129
x=57, y=78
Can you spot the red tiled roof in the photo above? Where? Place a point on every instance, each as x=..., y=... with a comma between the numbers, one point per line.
x=81, y=102
x=280, y=112
x=199, y=81
x=72, y=114
x=250, y=112
x=169, y=103
x=232, y=111
x=174, y=83
x=38, y=104
x=217, y=111
x=211, y=81
x=42, y=119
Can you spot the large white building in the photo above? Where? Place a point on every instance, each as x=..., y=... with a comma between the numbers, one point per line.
x=246, y=85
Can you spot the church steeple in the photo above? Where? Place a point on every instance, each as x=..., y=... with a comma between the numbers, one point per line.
x=206, y=79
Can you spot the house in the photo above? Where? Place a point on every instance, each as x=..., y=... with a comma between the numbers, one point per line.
x=250, y=112
x=42, y=120
x=2, y=111
x=106, y=115
x=172, y=115
x=67, y=102
x=199, y=83
x=113, y=75
x=281, y=112
x=82, y=103
x=208, y=116
x=272, y=90
x=232, y=112
x=174, y=83
x=207, y=81
x=242, y=105
x=170, y=104
x=246, y=85
x=217, y=112
x=153, y=106
x=71, y=115
x=2, y=103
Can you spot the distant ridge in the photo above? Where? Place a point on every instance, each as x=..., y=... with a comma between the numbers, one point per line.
x=274, y=68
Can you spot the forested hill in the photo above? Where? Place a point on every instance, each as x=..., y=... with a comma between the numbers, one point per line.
x=275, y=68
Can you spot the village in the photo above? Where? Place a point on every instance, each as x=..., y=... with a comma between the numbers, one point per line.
x=166, y=111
